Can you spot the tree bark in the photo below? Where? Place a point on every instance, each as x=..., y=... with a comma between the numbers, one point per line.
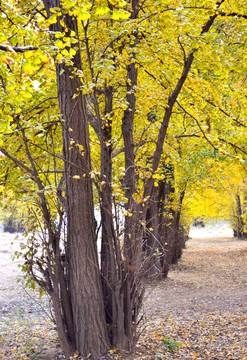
x=239, y=231
x=84, y=282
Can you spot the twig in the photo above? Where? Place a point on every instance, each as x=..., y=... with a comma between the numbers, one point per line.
x=41, y=306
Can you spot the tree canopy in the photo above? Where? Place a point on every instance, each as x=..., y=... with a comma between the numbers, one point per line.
x=134, y=109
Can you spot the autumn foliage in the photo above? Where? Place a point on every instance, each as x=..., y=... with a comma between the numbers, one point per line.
x=134, y=111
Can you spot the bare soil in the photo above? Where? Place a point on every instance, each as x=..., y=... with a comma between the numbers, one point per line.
x=198, y=312
x=26, y=330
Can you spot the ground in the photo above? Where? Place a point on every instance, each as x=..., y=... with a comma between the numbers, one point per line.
x=198, y=312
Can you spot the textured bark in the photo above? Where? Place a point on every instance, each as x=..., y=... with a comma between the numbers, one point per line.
x=239, y=224
x=84, y=284
x=133, y=232
x=110, y=250
x=163, y=244
x=160, y=218
x=173, y=235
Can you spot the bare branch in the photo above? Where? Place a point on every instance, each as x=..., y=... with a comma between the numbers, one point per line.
x=20, y=49
x=210, y=21
x=243, y=16
x=184, y=136
x=54, y=155
x=152, y=76
x=38, y=105
x=233, y=145
x=226, y=113
x=182, y=47
x=171, y=101
x=203, y=132
x=140, y=143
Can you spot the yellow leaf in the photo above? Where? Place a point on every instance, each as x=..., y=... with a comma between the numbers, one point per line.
x=18, y=110
x=59, y=57
x=7, y=60
x=120, y=14
x=52, y=20
x=80, y=147
x=59, y=44
x=28, y=69
x=121, y=3
x=116, y=15
x=64, y=52
x=45, y=58
x=76, y=177
x=83, y=16
x=72, y=52
x=102, y=10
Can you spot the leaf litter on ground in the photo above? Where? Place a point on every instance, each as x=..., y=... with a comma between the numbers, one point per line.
x=198, y=312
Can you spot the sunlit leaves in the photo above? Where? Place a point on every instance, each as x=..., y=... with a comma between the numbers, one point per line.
x=102, y=10
x=120, y=14
x=213, y=99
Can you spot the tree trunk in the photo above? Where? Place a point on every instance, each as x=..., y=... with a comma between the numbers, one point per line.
x=164, y=237
x=110, y=251
x=239, y=226
x=84, y=282
x=131, y=290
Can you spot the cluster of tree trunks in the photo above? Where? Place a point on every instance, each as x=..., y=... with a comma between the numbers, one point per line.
x=12, y=225
x=165, y=237
x=96, y=305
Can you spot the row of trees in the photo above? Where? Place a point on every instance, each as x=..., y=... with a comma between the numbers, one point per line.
x=120, y=107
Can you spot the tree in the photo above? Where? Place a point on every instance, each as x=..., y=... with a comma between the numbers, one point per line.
x=104, y=76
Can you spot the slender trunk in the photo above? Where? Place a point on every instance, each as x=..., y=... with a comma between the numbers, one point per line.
x=179, y=232
x=108, y=248
x=133, y=230
x=239, y=218
x=154, y=240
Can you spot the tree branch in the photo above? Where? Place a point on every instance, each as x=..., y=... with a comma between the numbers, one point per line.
x=225, y=113
x=222, y=13
x=210, y=21
x=140, y=143
x=185, y=136
x=38, y=105
x=233, y=145
x=20, y=49
x=17, y=162
x=203, y=132
x=171, y=101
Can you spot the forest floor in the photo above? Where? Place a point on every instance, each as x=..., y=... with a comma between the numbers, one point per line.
x=198, y=312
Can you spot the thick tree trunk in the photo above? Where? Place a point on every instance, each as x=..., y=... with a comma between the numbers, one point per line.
x=84, y=284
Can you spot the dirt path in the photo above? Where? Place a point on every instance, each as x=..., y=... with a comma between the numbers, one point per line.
x=201, y=306
x=25, y=329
